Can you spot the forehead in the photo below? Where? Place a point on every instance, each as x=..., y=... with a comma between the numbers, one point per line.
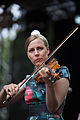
x=36, y=42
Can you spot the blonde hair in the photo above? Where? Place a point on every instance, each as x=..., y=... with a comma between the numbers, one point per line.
x=34, y=35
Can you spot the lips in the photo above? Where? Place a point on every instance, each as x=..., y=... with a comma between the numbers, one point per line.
x=38, y=59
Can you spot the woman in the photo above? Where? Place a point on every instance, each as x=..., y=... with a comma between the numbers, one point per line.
x=45, y=99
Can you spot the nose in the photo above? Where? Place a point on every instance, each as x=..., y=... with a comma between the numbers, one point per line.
x=36, y=52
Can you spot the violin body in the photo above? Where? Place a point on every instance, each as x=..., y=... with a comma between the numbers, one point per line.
x=52, y=66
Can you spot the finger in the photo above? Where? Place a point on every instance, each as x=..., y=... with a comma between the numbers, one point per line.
x=17, y=88
x=48, y=72
x=40, y=77
x=11, y=89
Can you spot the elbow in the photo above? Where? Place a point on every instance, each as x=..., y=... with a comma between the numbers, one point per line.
x=53, y=108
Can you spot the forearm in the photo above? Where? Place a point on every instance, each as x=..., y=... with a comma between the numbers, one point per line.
x=51, y=98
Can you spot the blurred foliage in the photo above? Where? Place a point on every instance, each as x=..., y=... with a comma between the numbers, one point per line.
x=5, y=60
x=5, y=63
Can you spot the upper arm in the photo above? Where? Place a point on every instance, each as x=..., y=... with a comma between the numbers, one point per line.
x=61, y=88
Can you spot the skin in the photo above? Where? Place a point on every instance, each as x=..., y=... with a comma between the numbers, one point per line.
x=55, y=92
x=8, y=90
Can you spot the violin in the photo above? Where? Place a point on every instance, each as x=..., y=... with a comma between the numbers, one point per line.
x=52, y=64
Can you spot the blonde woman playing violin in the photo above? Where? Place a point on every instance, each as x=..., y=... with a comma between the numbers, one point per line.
x=45, y=98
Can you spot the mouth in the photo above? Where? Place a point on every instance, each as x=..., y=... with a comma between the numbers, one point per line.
x=38, y=60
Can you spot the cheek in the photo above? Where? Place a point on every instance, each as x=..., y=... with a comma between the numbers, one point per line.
x=31, y=58
x=45, y=54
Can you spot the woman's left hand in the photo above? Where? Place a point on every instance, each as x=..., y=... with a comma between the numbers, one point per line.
x=45, y=74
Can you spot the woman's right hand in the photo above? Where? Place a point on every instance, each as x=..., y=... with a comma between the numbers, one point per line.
x=11, y=89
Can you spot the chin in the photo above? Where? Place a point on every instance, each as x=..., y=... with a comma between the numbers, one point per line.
x=38, y=65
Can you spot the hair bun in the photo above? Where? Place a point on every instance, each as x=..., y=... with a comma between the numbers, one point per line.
x=35, y=32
